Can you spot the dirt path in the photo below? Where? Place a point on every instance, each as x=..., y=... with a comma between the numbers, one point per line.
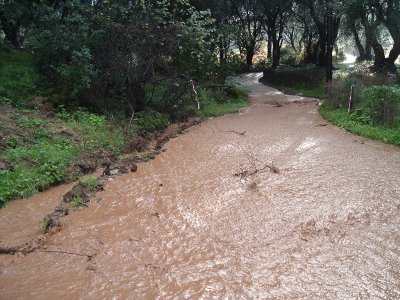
x=208, y=219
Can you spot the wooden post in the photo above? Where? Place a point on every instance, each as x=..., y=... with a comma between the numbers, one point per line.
x=350, y=99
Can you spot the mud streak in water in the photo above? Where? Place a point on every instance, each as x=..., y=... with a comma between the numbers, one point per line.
x=184, y=227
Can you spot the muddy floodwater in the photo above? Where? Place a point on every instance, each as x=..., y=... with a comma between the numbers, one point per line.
x=270, y=203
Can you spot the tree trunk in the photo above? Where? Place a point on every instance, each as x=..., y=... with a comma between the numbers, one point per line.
x=393, y=25
x=221, y=49
x=379, y=56
x=11, y=32
x=138, y=97
x=368, y=50
x=315, y=52
x=307, y=57
x=329, y=44
x=269, y=47
x=393, y=55
x=276, y=54
x=322, y=58
x=357, y=40
x=378, y=49
x=370, y=35
x=249, y=55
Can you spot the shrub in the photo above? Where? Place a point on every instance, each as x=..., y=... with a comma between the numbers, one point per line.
x=58, y=38
x=151, y=120
x=236, y=91
x=382, y=104
x=175, y=98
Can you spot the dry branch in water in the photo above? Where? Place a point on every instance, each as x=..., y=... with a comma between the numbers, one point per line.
x=234, y=131
x=255, y=164
x=88, y=256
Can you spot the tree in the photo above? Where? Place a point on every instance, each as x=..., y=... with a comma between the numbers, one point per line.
x=352, y=27
x=59, y=37
x=15, y=15
x=388, y=12
x=276, y=14
x=136, y=41
x=319, y=12
x=249, y=19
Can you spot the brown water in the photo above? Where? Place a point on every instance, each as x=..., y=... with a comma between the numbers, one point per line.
x=184, y=227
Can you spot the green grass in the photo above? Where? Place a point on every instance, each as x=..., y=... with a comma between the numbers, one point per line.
x=17, y=77
x=77, y=201
x=40, y=159
x=340, y=118
x=306, y=91
x=224, y=101
x=44, y=224
x=90, y=181
x=35, y=168
x=213, y=109
x=96, y=131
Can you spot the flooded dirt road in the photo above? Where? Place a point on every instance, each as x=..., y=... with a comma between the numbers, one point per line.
x=207, y=219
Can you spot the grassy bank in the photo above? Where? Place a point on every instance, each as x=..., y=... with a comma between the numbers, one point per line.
x=42, y=144
x=340, y=118
x=42, y=148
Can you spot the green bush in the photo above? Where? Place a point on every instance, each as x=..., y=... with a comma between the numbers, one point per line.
x=382, y=104
x=90, y=182
x=236, y=91
x=260, y=65
x=175, y=99
x=60, y=38
x=150, y=120
x=360, y=117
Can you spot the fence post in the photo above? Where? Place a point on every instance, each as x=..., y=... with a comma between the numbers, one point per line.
x=350, y=99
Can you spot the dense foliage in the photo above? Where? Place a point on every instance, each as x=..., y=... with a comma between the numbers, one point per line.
x=104, y=53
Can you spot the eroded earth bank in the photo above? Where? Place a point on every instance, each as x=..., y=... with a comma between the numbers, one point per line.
x=271, y=203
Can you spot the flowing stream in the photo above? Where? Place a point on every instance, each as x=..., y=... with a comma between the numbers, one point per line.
x=208, y=219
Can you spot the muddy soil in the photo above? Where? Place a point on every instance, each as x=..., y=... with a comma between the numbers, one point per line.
x=207, y=218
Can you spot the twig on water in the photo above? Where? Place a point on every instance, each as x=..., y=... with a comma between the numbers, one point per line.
x=234, y=131
x=88, y=256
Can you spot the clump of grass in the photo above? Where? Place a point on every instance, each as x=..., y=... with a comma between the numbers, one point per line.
x=80, y=194
x=77, y=201
x=45, y=224
x=90, y=181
